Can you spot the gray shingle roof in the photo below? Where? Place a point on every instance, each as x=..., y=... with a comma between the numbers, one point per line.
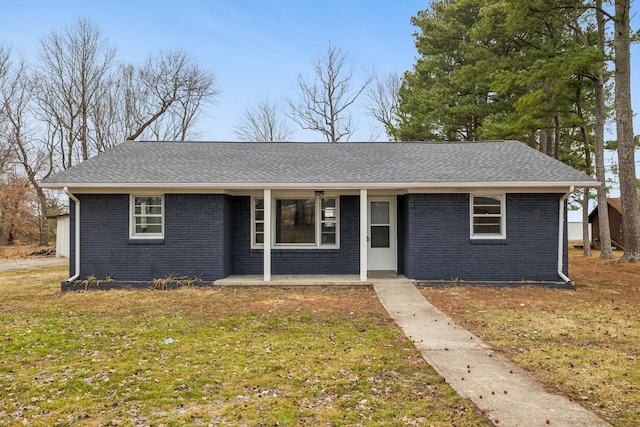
x=237, y=164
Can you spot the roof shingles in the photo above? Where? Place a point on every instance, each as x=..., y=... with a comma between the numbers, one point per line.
x=324, y=163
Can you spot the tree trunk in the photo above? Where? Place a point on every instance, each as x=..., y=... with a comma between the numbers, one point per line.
x=586, y=242
x=624, y=133
x=556, y=138
x=601, y=190
x=545, y=140
x=42, y=220
x=531, y=140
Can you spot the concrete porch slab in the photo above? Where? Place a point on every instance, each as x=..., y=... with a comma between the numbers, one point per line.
x=298, y=280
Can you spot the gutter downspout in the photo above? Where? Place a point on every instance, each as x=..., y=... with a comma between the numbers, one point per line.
x=77, y=235
x=561, y=236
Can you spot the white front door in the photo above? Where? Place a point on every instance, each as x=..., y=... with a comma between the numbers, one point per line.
x=381, y=247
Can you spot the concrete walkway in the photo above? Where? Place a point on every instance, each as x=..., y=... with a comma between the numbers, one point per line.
x=505, y=393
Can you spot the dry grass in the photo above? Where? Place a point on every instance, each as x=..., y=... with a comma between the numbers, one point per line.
x=299, y=357
x=210, y=356
x=584, y=343
x=19, y=251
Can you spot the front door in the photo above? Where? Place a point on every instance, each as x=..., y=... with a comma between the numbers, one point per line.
x=381, y=254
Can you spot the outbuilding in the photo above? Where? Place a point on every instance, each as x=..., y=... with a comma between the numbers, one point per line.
x=483, y=212
x=614, y=210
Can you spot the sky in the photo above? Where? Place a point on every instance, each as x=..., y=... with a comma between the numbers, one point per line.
x=255, y=48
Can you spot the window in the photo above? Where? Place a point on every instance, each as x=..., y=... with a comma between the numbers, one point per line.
x=258, y=221
x=328, y=222
x=304, y=222
x=487, y=217
x=295, y=221
x=147, y=216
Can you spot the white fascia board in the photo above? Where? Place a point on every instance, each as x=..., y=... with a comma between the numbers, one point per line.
x=407, y=186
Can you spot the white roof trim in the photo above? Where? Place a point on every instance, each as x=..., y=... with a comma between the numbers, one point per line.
x=320, y=185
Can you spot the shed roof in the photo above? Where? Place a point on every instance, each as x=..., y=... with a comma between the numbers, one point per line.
x=614, y=202
x=356, y=165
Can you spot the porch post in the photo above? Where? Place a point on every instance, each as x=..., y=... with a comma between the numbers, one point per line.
x=363, y=235
x=267, y=236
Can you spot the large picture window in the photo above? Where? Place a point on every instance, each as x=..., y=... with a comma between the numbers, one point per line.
x=298, y=222
x=488, y=216
x=295, y=221
x=147, y=216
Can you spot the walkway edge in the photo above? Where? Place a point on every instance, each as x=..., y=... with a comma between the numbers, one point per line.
x=505, y=393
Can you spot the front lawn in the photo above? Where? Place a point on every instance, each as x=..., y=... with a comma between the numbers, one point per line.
x=319, y=356
x=583, y=343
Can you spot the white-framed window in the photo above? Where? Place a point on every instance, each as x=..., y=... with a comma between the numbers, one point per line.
x=328, y=221
x=258, y=222
x=147, y=216
x=298, y=222
x=488, y=216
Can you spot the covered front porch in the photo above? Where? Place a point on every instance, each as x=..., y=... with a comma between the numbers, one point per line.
x=377, y=242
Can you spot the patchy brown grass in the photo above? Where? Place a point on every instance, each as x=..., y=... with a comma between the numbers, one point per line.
x=584, y=343
x=321, y=356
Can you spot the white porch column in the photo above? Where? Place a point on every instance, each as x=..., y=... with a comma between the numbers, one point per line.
x=364, y=228
x=267, y=236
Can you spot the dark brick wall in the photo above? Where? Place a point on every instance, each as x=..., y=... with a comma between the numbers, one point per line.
x=194, y=238
x=244, y=259
x=438, y=247
x=208, y=235
x=345, y=260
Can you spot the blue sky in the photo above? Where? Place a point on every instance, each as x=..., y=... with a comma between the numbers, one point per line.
x=256, y=48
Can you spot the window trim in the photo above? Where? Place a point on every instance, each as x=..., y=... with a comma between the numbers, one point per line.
x=502, y=216
x=132, y=218
x=318, y=223
x=254, y=244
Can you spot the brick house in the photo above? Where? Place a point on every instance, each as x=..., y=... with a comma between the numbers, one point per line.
x=485, y=212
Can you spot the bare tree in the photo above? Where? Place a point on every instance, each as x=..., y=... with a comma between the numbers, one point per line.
x=18, y=205
x=624, y=132
x=6, y=153
x=324, y=98
x=163, y=98
x=108, y=115
x=382, y=100
x=15, y=97
x=74, y=68
x=262, y=123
